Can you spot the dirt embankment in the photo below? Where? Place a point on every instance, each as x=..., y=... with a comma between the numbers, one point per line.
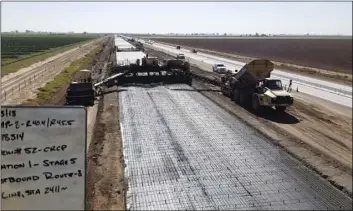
x=105, y=175
x=310, y=130
x=106, y=185
x=95, y=66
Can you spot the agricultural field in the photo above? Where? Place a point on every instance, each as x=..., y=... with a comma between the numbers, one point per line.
x=329, y=53
x=16, y=47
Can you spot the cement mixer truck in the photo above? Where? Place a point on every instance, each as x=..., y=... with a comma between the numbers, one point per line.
x=252, y=86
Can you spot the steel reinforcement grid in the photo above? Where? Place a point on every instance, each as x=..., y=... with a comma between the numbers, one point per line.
x=182, y=151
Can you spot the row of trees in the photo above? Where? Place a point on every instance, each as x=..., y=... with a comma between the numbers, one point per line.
x=40, y=32
x=217, y=34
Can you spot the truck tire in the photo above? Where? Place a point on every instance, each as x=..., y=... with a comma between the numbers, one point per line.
x=189, y=81
x=281, y=108
x=223, y=90
x=235, y=97
x=241, y=99
x=255, y=104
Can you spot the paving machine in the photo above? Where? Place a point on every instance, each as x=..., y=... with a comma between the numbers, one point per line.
x=150, y=70
x=252, y=85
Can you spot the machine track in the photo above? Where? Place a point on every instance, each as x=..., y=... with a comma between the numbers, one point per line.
x=182, y=151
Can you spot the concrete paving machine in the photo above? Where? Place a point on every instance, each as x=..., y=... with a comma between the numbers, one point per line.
x=251, y=85
x=153, y=71
x=150, y=70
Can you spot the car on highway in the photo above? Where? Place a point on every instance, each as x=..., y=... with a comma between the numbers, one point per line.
x=194, y=51
x=180, y=56
x=219, y=68
x=178, y=47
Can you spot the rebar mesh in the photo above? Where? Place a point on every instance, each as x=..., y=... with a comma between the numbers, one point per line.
x=184, y=152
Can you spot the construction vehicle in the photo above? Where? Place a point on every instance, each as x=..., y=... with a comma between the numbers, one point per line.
x=81, y=92
x=251, y=85
x=150, y=70
x=108, y=82
x=139, y=46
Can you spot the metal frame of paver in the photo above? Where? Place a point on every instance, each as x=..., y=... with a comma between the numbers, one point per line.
x=183, y=152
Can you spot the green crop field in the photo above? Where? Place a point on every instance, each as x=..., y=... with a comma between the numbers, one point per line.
x=15, y=47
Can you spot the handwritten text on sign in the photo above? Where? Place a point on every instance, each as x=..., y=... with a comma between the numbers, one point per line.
x=43, y=158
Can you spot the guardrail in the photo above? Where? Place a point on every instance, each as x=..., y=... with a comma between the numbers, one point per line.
x=43, y=73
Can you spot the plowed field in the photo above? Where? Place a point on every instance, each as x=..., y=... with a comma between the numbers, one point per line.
x=330, y=54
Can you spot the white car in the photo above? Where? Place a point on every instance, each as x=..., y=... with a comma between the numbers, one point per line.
x=180, y=56
x=219, y=68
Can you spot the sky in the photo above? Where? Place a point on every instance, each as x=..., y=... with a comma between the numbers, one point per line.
x=320, y=18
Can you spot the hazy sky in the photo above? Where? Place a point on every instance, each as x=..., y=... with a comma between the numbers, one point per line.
x=180, y=17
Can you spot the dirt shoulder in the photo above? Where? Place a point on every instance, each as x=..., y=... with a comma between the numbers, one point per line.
x=293, y=138
x=106, y=185
x=105, y=174
x=337, y=77
x=315, y=131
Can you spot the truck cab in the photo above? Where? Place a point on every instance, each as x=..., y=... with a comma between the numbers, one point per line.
x=270, y=92
x=271, y=84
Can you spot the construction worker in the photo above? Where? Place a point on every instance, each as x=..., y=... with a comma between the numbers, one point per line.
x=290, y=86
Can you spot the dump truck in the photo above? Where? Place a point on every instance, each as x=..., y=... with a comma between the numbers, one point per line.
x=252, y=85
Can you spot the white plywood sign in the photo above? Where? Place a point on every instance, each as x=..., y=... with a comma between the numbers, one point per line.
x=43, y=163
